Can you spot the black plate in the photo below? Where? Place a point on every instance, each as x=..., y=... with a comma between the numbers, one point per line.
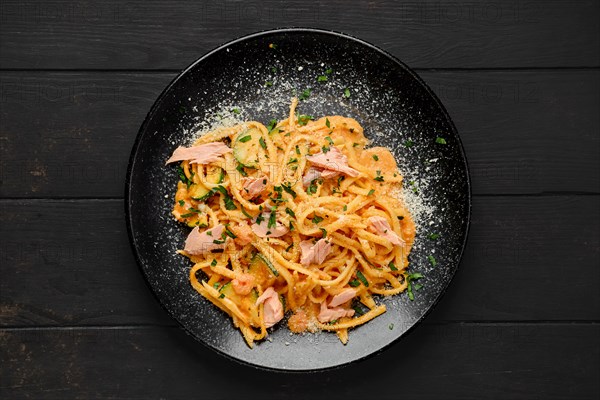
x=393, y=105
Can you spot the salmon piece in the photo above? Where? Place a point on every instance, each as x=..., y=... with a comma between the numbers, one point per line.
x=381, y=226
x=252, y=187
x=262, y=229
x=342, y=297
x=334, y=160
x=313, y=173
x=327, y=314
x=314, y=253
x=243, y=232
x=243, y=284
x=298, y=322
x=203, y=154
x=198, y=243
x=272, y=309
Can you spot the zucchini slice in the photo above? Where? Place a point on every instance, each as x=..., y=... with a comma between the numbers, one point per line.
x=215, y=175
x=264, y=272
x=246, y=304
x=247, y=146
x=199, y=192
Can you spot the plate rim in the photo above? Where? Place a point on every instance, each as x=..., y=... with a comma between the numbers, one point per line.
x=307, y=30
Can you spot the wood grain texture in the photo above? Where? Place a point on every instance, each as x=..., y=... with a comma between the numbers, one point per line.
x=528, y=258
x=170, y=35
x=525, y=132
x=462, y=361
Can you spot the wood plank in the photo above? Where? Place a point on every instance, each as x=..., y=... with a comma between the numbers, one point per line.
x=70, y=134
x=528, y=258
x=466, y=361
x=166, y=35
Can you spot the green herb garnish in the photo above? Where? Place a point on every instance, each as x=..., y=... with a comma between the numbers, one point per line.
x=214, y=263
x=272, y=222
x=434, y=236
x=268, y=83
x=322, y=78
x=305, y=94
x=440, y=140
x=432, y=260
x=290, y=212
x=324, y=232
x=327, y=123
x=362, y=278
x=288, y=189
x=262, y=143
x=317, y=219
x=375, y=157
x=245, y=138
x=409, y=143
x=303, y=119
x=181, y=202
x=392, y=266
x=347, y=93
x=371, y=192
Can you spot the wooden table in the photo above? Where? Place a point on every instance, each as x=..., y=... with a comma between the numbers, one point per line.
x=520, y=79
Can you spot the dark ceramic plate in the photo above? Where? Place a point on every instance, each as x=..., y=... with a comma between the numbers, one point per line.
x=254, y=78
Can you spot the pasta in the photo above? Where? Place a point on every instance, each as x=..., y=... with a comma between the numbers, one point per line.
x=299, y=217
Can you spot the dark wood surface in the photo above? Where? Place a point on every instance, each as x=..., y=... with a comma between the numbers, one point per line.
x=522, y=83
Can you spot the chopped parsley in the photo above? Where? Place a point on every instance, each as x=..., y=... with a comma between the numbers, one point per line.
x=182, y=177
x=379, y=177
x=325, y=149
x=245, y=138
x=328, y=71
x=355, y=144
x=188, y=215
x=305, y=94
x=327, y=123
x=291, y=246
x=322, y=78
x=235, y=110
x=297, y=150
x=227, y=199
x=410, y=278
x=409, y=143
x=229, y=233
x=268, y=83
x=434, y=236
x=274, y=70
x=272, y=124
x=329, y=140
x=213, y=264
x=432, y=260
x=245, y=213
x=354, y=283
x=324, y=232
x=440, y=140
x=362, y=278
x=345, y=208
x=391, y=326
x=347, y=93
x=392, y=266
x=292, y=160
x=371, y=192
x=290, y=212
x=312, y=188
x=259, y=219
x=262, y=143
x=272, y=222
x=241, y=170
x=181, y=202
x=317, y=219
x=291, y=226
x=288, y=189
x=375, y=157
x=303, y=119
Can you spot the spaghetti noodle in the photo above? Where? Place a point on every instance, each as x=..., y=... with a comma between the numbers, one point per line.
x=297, y=218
